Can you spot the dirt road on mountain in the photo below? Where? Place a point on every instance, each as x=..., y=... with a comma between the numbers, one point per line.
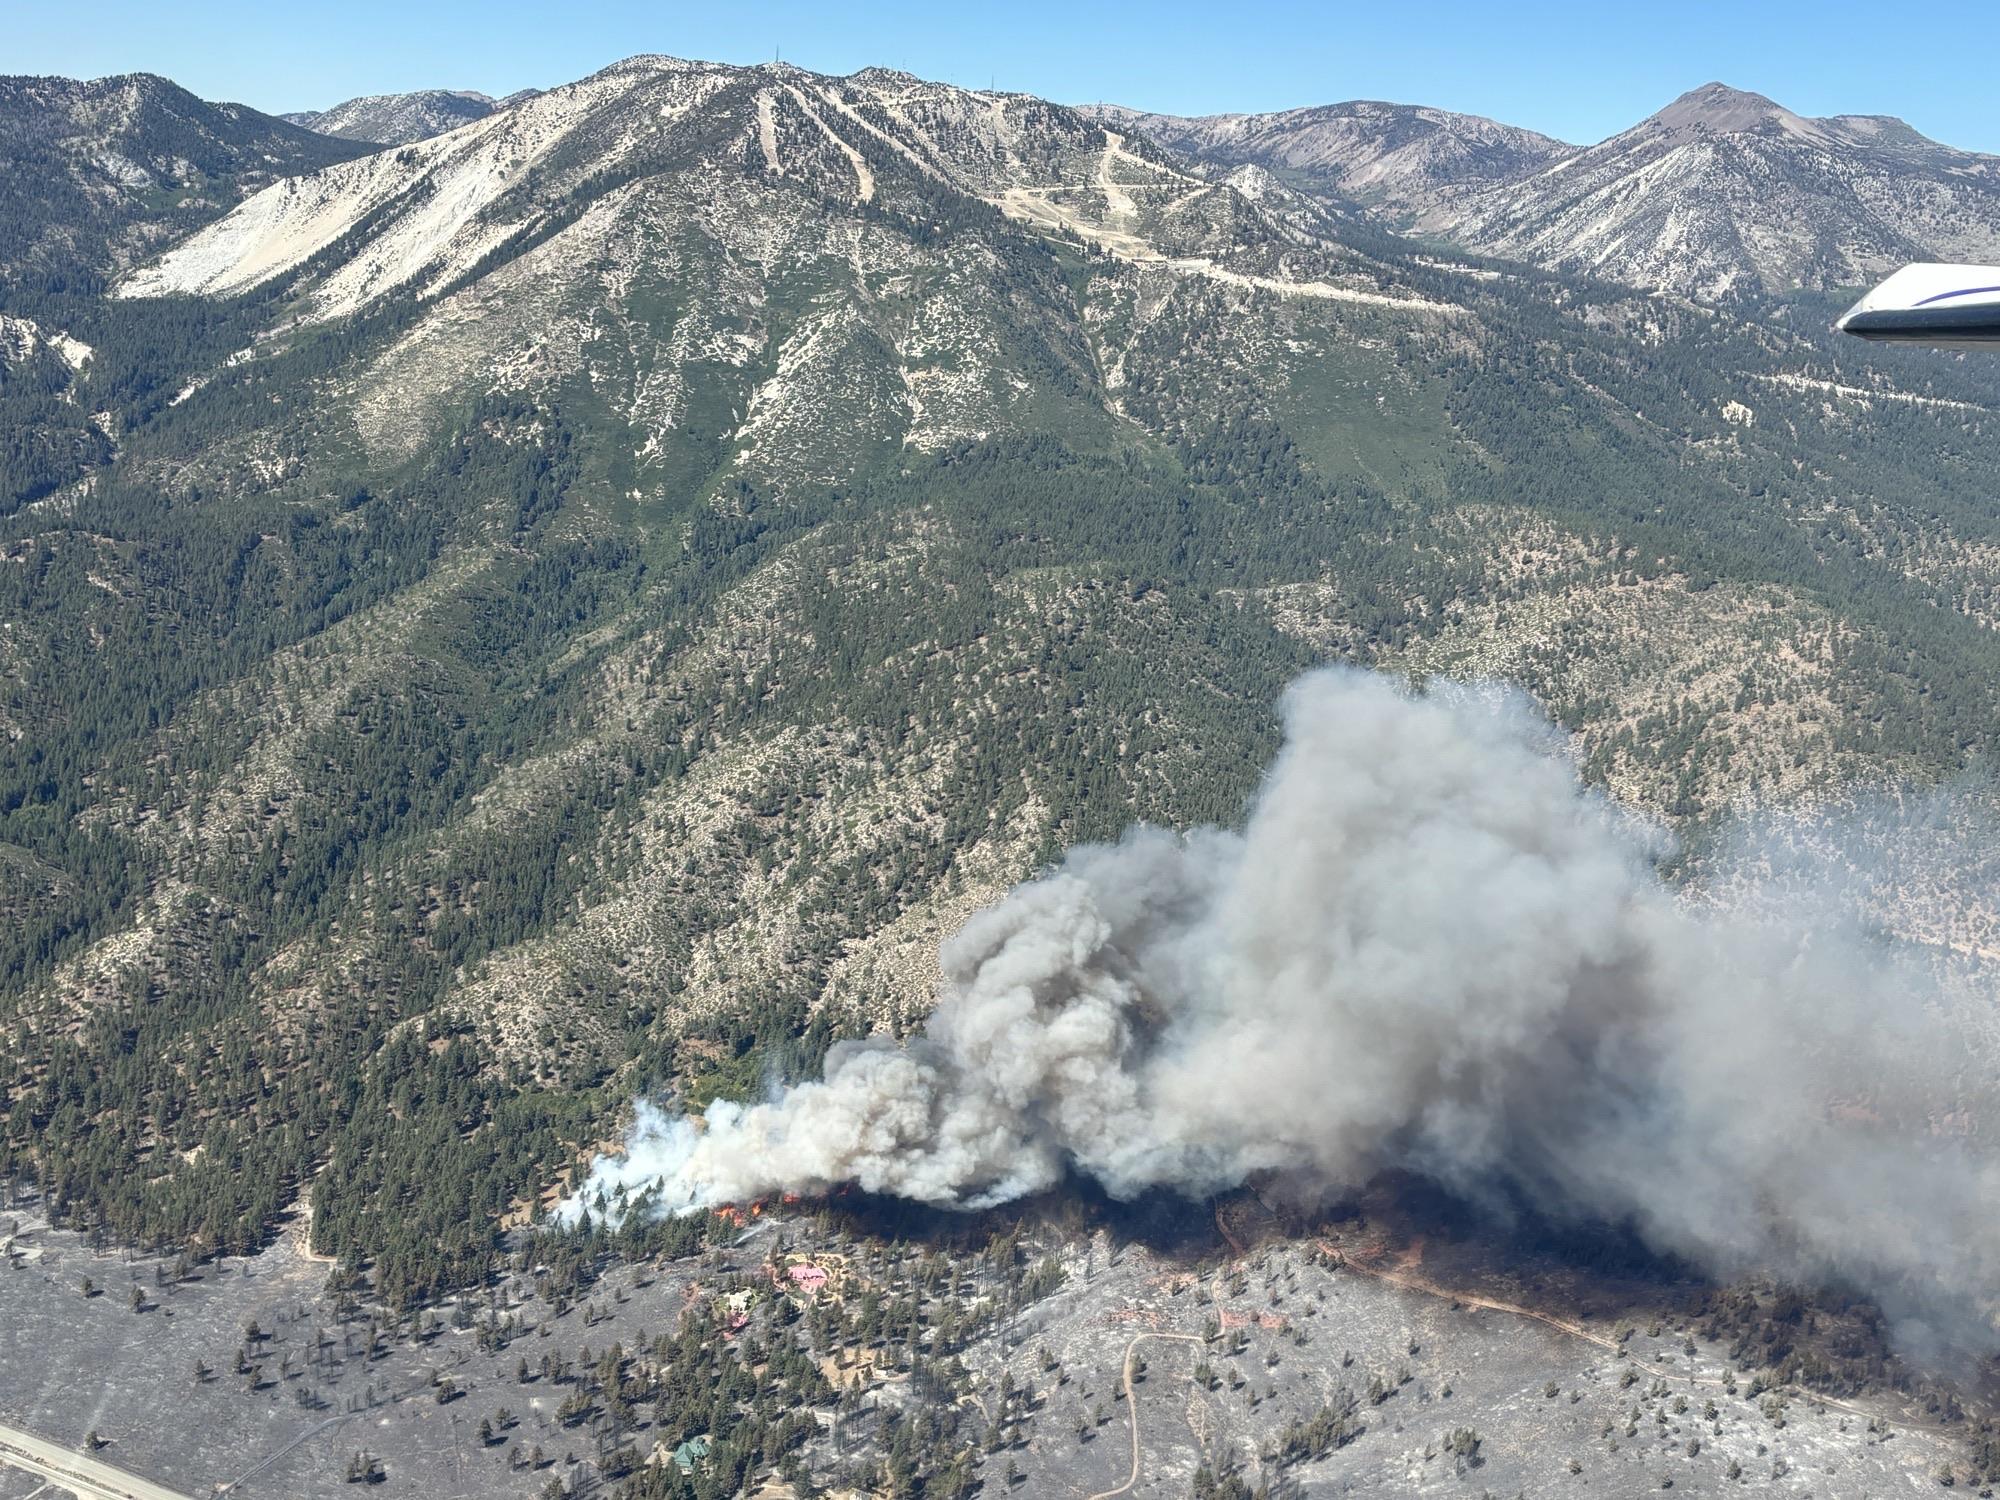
x=1132, y=1404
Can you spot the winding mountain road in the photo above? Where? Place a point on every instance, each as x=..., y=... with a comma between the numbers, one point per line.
x=1132, y=1404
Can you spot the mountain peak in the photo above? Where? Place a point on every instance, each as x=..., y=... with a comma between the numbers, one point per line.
x=1726, y=192
x=398, y=119
x=880, y=77
x=1718, y=109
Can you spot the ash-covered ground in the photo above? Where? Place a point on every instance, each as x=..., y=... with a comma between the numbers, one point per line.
x=18, y=1485
x=1368, y=1355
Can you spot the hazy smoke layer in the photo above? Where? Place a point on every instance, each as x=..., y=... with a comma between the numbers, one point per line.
x=1430, y=947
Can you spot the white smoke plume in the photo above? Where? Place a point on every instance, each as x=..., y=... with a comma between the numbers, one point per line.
x=1429, y=947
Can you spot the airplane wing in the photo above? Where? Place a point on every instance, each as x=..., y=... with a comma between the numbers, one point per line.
x=1941, y=306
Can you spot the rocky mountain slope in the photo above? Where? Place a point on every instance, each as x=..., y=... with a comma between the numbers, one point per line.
x=1406, y=161
x=583, y=603
x=398, y=119
x=98, y=173
x=1724, y=191
x=1721, y=193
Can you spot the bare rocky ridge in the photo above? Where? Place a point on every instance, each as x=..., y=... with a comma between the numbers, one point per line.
x=548, y=218
x=398, y=119
x=1402, y=160
x=434, y=214
x=1723, y=192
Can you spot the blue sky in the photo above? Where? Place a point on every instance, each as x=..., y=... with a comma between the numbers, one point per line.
x=1580, y=71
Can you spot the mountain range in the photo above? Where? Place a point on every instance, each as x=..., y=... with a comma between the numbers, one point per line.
x=584, y=601
x=1398, y=159
x=1721, y=192
x=398, y=119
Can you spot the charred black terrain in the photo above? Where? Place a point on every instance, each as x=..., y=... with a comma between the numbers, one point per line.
x=1397, y=1346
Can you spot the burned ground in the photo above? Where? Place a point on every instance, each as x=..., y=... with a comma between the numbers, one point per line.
x=1377, y=1352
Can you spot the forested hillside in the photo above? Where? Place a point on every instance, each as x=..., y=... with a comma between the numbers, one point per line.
x=582, y=604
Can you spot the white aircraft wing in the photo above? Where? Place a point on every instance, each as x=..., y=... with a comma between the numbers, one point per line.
x=1941, y=306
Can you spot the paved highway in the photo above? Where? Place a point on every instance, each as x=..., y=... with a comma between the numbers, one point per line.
x=91, y=1478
